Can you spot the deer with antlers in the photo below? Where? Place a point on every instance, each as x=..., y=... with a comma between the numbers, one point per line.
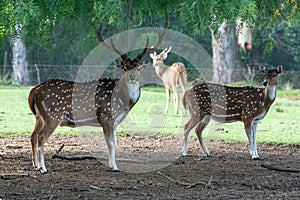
x=170, y=76
x=226, y=104
x=104, y=102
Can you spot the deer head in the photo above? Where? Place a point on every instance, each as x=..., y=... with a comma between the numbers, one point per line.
x=158, y=59
x=126, y=63
x=271, y=76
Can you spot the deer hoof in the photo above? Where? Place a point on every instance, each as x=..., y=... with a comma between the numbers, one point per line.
x=116, y=170
x=37, y=168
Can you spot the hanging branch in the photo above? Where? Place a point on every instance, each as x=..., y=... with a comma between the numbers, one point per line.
x=128, y=20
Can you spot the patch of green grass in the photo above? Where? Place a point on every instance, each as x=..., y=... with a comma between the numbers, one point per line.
x=289, y=94
x=281, y=125
x=16, y=118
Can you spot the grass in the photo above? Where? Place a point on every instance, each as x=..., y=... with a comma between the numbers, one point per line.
x=281, y=125
x=16, y=118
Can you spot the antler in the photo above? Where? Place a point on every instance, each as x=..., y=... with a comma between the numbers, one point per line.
x=161, y=35
x=146, y=50
x=110, y=47
x=165, y=51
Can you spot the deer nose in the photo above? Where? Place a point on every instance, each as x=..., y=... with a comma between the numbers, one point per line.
x=132, y=76
x=265, y=83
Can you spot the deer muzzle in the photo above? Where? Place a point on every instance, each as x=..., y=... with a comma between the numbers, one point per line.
x=266, y=83
x=132, y=76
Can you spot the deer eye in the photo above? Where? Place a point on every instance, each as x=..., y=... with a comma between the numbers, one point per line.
x=274, y=75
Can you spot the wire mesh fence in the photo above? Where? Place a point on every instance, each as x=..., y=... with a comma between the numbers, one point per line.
x=39, y=74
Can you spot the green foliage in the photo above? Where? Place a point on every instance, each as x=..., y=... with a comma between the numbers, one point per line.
x=292, y=40
x=62, y=32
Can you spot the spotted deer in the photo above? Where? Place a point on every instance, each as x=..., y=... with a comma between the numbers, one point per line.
x=104, y=102
x=170, y=76
x=225, y=104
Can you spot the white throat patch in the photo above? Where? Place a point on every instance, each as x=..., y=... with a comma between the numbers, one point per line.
x=134, y=91
x=272, y=92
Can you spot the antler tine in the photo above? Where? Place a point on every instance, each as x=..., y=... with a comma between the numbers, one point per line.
x=166, y=50
x=147, y=50
x=119, y=52
x=141, y=55
x=170, y=48
x=161, y=53
x=109, y=47
x=160, y=38
x=100, y=38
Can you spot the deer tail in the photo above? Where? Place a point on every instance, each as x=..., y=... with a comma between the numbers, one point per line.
x=31, y=101
x=182, y=80
x=184, y=101
x=182, y=75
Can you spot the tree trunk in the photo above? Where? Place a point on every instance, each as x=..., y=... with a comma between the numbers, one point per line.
x=21, y=75
x=226, y=59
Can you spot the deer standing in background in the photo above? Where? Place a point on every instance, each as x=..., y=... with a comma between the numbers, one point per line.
x=170, y=76
x=226, y=104
x=104, y=102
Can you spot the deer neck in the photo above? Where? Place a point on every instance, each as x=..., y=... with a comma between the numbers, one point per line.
x=134, y=91
x=160, y=68
x=270, y=94
x=128, y=91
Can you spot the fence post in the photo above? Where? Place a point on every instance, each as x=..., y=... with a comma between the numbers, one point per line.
x=5, y=63
x=38, y=73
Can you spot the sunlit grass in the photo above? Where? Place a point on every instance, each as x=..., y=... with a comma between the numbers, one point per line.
x=281, y=125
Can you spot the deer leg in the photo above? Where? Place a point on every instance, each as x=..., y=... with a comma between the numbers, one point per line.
x=110, y=138
x=199, y=130
x=254, y=150
x=193, y=121
x=45, y=132
x=42, y=159
x=176, y=99
x=249, y=131
x=34, y=143
x=168, y=97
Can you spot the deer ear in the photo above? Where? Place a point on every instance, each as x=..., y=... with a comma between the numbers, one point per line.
x=164, y=56
x=263, y=69
x=279, y=69
x=118, y=63
x=144, y=63
x=152, y=55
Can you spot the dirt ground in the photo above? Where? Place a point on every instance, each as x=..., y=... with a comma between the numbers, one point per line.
x=229, y=174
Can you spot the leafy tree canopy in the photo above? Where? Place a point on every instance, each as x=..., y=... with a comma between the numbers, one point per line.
x=62, y=32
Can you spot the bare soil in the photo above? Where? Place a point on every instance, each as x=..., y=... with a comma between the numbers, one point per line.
x=229, y=174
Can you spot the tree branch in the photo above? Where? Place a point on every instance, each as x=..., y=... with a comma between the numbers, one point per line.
x=272, y=167
x=187, y=185
x=74, y=157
